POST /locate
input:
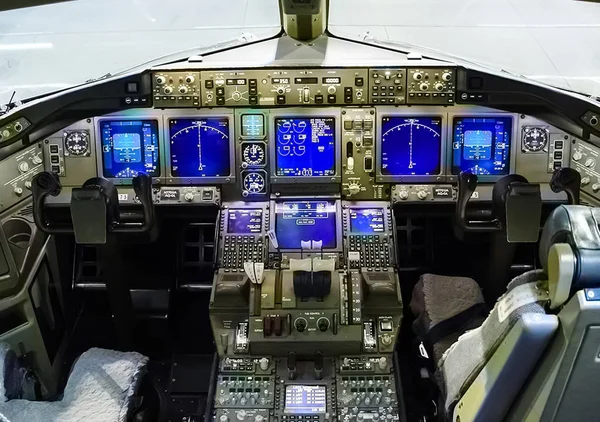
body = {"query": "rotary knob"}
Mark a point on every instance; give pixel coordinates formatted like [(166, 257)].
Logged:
[(161, 80), (189, 196), (264, 364), (189, 79), (422, 194), (168, 90), (439, 86), (353, 189), (223, 418), (28, 184), (382, 363), (241, 415), (280, 90), (259, 418), (424, 86), (595, 187), (36, 160), (236, 96), (585, 181), (417, 76), (18, 127), (403, 195), (577, 155), (386, 340), (18, 190), (446, 76), (23, 166), (590, 162), (183, 89), (331, 89)]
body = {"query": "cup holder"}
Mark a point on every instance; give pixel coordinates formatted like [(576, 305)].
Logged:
[(18, 232)]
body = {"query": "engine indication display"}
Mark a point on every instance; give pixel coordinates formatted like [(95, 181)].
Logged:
[(481, 145), (306, 221), (77, 143), (305, 146), (200, 147), (535, 138), (129, 147), (410, 145), (253, 154)]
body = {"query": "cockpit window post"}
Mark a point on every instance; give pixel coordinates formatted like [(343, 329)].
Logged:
[(304, 20)]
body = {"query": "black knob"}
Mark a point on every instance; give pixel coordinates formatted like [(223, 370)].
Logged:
[(323, 324), (300, 325)]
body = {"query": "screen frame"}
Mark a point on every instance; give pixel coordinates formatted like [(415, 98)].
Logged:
[(514, 142), (297, 113), (304, 384), (384, 211), (338, 229), (127, 181), (423, 112), (195, 114)]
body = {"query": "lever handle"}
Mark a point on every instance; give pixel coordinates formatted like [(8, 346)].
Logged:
[(567, 180), (44, 184), (142, 186), (291, 365), (318, 365)]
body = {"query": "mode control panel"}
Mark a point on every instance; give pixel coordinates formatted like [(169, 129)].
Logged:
[(387, 86), (283, 87), (176, 89), (423, 193), (585, 158), (17, 172), (431, 86)]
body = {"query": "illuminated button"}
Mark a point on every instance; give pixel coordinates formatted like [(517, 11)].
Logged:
[(348, 124), (55, 169), (368, 140), (368, 124), (53, 159), (385, 325), (331, 99), (358, 123), (54, 149), (209, 84), (281, 99), (558, 155), (220, 101), (359, 81), (558, 145), (319, 99)]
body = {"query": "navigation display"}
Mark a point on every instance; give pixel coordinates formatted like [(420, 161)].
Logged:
[(129, 147), (244, 221), (305, 146), (481, 145), (411, 145), (366, 220), (200, 147), (305, 221), (304, 399)]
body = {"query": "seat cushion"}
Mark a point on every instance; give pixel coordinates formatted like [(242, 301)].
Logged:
[(100, 388)]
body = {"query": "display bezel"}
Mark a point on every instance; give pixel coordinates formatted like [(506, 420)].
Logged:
[(338, 229), (305, 114), (410, 178), (180, 114), (288, 411), (514, 142), (127, 181)]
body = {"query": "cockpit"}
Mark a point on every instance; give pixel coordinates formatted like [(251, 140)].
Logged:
[(301, 228)]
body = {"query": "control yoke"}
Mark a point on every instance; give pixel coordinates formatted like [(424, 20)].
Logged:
[(94, 208), (568, 180), (516, 207)]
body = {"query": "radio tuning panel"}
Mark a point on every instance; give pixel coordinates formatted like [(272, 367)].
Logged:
[(176, 89), (358, 155), (585, 158), (283, 87), (431, 86)]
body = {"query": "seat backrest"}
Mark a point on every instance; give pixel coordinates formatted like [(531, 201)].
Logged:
[(485, 369), (565, 384)]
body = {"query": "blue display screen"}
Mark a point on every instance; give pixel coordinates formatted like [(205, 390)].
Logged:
[(244, 221), (366, 220), (305, 221), (129, 147), (481, 145), (200, 147), (305, 147), (411, 145)]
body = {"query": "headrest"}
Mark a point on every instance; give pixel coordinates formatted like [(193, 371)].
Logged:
[(570, 249)]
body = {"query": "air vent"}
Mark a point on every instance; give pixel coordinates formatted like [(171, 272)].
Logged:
[(412, 243), (26, 212), (196, 254)]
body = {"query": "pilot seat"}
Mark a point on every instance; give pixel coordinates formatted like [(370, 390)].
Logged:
[(483, 362)]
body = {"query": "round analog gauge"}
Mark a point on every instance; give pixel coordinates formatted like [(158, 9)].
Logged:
[(77, 143), (535, 138), (254, 154), (254, 183)]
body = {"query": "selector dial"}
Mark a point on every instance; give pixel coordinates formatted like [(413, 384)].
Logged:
[(577, 155), (161, 80), (189, 79), (77, 143), (168, 90), (183, 89), (439, 86), (23, 166), (417, 76), (236, 95), (424, 86), (331, 90), (447, 76), (590, 162)]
